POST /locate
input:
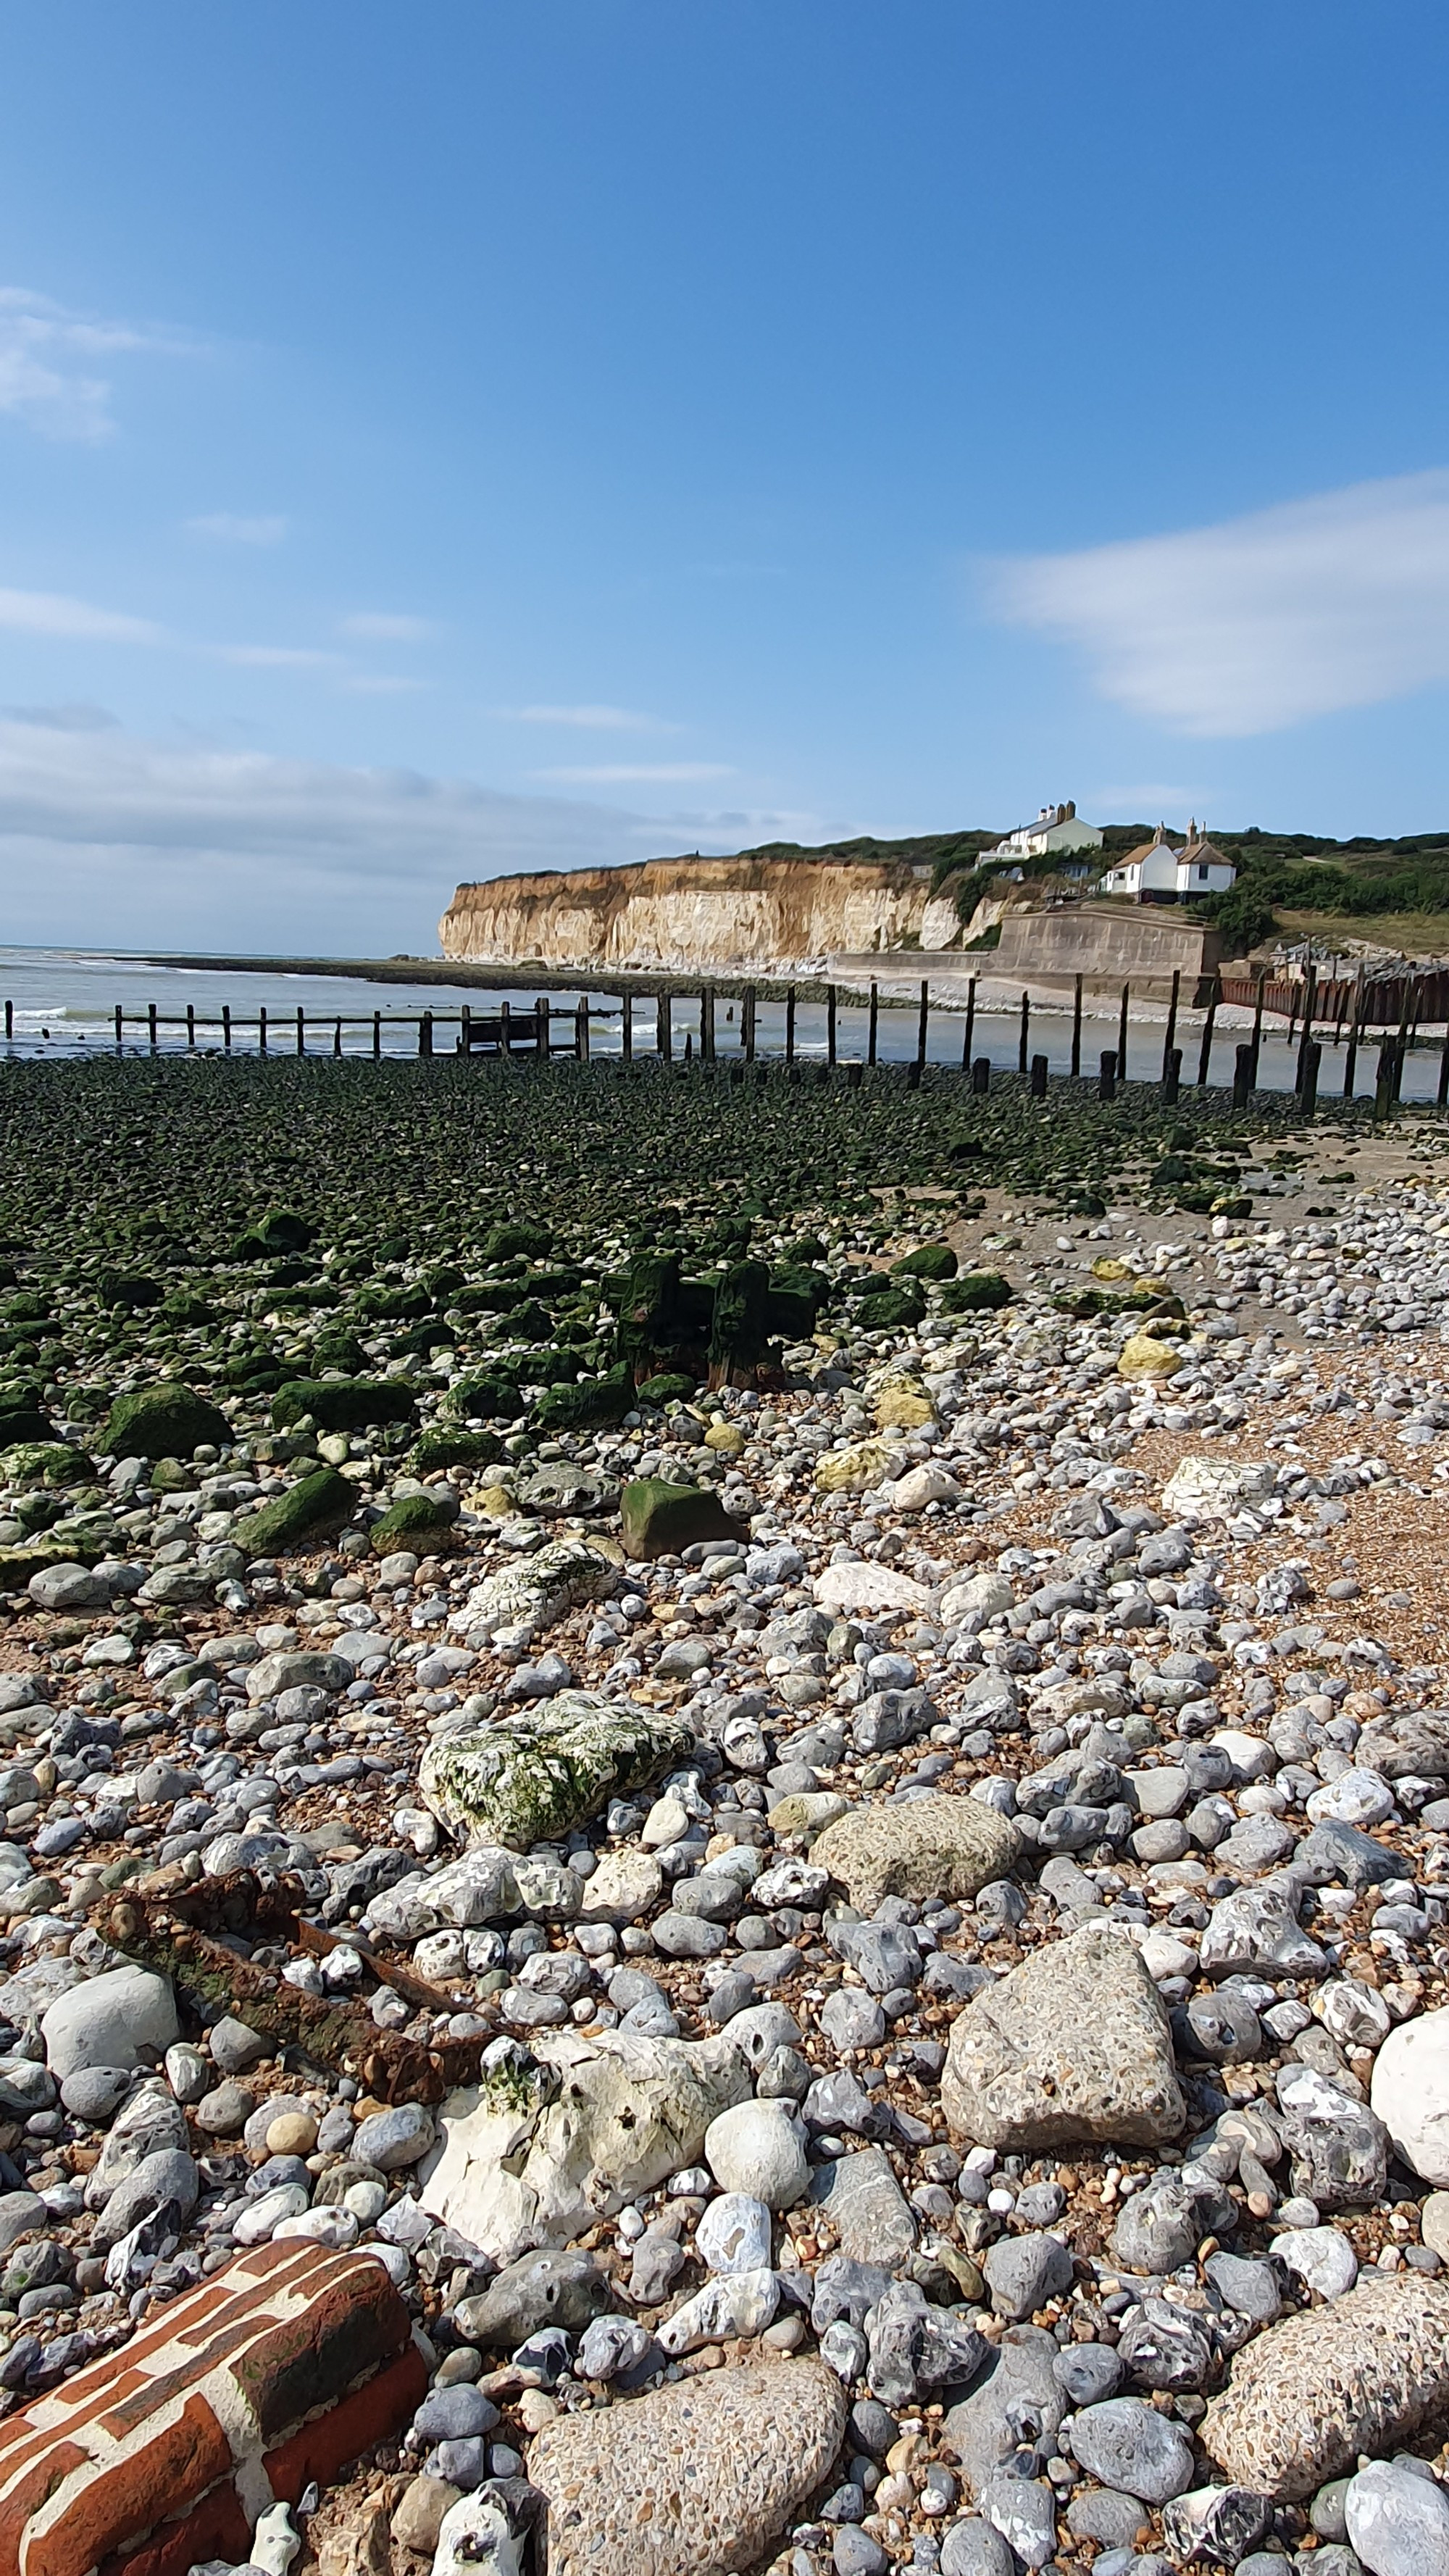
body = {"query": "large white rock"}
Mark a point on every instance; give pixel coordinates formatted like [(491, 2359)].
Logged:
[(919, 1486), (976, 1601), (756, 2148), (870, 1588), (515, 2168), (1210, 1489), (1410, 2093), (114, 2020)]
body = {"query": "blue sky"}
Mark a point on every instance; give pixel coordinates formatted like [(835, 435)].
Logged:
[(442, 440)]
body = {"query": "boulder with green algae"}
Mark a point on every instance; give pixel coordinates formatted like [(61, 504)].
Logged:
[(929, 1261), (310, 1509), (670, 1388), (597, 1402), (44, 1462), (662, 1519), (488, 1397), (891, 1309), (162, 1422), (344, 1404), (977, 1291), (420, 1521), (280, 1230), (531, 1778), (436, 1450)]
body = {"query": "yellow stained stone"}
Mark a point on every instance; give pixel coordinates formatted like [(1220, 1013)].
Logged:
[(495, 1500), (726, 1437), (1145, 1356), (1106, 1268), (903, 1405), (852, 1470)]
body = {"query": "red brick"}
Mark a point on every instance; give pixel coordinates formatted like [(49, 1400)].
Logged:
[(215, 2528), (28, 2486), (312, 2358), (369, 2415), (127, 2496)]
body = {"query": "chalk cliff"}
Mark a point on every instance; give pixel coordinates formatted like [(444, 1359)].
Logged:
[(692, 913)]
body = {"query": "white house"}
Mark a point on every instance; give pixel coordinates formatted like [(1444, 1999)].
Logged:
[(1156, 872), (1057, 831)]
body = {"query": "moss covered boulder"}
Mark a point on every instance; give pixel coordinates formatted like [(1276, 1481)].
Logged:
[(44, 1462), (532, 1778), (421, 1521), (670, 1388), (660, 1519), (280, 1230), (515, 1242), (976, 1293), (931, 1261), (309, 1510), (344, 1404), (891, 1309), (436, 1450), (598, 1402), (161, 1422)]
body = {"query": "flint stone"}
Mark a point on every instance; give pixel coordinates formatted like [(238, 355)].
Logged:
[(564, 2288), (1126, 2444), (297, 1670), (514, 2170), (1074, 2045), (931, 1846), (530, 1778), (1314, 2391), (1411, 1744), (1398, 2521), (1256, 1931), (867, 2208), (693, 2478), (112, 2020), (1023, 2272), (913, 2346), (1340, 2150)]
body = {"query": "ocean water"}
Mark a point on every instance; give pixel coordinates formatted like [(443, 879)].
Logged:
[(62, 1001)]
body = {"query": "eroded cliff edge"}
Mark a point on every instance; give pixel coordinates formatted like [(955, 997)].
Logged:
[(687, 913)]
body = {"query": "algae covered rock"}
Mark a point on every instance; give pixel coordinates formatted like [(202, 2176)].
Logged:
[(930, 1261), (662, 1519), (44, 1462), (438, 1449), (422, 1521), (891, 1309), (314, 1505), (344, 1404), (532, 1777), (161, 1422), (976, 1293), (538, 1589)]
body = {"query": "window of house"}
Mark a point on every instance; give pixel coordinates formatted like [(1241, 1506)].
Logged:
[(1202, 876)]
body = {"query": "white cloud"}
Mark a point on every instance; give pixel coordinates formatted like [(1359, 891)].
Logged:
[(47, 362), (230, 530), (589, 719), (625, 773), (48, 612), (274, 657), (380, 684), (1263, 621), (374, 626)]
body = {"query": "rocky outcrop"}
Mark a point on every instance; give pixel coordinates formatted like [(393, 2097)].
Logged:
[(690, 913)]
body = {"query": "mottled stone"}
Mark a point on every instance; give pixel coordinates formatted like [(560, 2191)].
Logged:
[(1313, 2392), (1073, 2045), (931, 1846), (530, 1778), (691, 2480)]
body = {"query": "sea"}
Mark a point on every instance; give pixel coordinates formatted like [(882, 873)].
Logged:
[(63, 1002)]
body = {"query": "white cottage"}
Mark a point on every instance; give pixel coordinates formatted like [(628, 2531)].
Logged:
[(1157, 872), (1058, 831)]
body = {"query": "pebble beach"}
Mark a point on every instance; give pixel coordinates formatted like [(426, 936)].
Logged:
[(791, 1921)]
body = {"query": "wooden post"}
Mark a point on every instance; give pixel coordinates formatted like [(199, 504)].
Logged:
[(874, 1015), (120, 1024), (789, 1024), (9, 1022), (1120, 1067), (1076, 1027), (190, 1024), (425, 1034), (1039, 1077), (830, 1024), (923, 1024), (706, 1024), (261, 1028), (505, 1026), (1292, 1013), (664, 1026), (1170, 1041), (542, 1030), (1025, 1037), (1310, 996), (1107, 1075), (1205, 1051), (1384, 1082), (1242, 1076), (1340, 1006), (225, 1026), (1402, 1045), (1308, 1064), (377, 1037), (747, 1021), (626, 1028), (1172, 1074), (1257, 1038), (981, 1074), (301, 1032), (582, 1039), (151, 1024), (465, 1033), (337, 1037), (970, 1021)]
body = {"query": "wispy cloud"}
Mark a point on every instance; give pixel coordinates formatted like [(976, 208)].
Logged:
[(1338, 601), (229, 529), (589, 719), (49, 358), (274, 657), (49, 612), (376, 626), (625, 773)]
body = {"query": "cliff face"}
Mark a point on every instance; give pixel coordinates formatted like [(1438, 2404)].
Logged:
[(691, 913)]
